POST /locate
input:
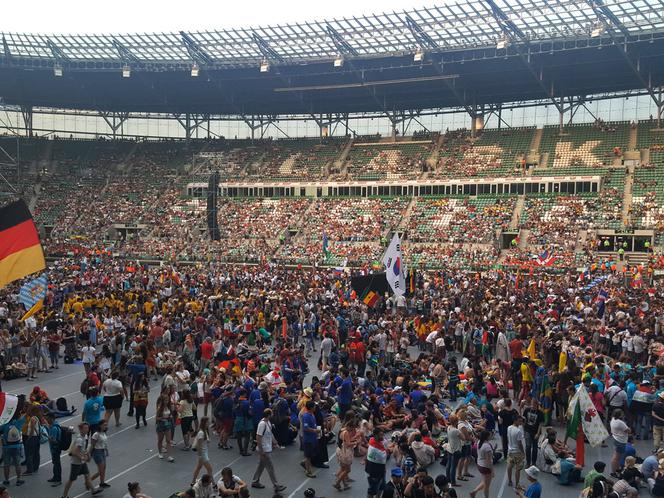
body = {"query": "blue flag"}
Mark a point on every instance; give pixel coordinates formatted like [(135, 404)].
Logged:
[(602, 296), (33, 292)]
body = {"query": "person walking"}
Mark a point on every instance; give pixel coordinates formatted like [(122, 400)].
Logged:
[(516, 452), (484, 464), (164, 418), (12, 448), (264, 445), (201, 444), (93, 409), (140, 399), (79, 454), (114, 393), (453, 449), (620, 432), (348, 439), (99, 452), (309, 437)]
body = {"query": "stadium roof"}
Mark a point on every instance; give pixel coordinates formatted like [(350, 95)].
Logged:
[(480, 51)]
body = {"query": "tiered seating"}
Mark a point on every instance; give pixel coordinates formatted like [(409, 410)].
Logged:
[(507, 148), (648, 193), (258, 218), (297, 160), (459, 220), (584, 144), (648, 135), (387, 161), (436, 256)]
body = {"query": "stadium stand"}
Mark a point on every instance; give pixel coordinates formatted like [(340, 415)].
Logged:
[(378, 161)]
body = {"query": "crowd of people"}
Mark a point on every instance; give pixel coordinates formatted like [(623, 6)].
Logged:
[(465, 371)]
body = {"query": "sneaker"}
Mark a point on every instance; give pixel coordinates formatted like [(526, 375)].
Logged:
[(5, 483), (97, 491), (161, 456), (257, 485), (279, 488), (55, 484), (170, 459), (20, 482), (104, 485)]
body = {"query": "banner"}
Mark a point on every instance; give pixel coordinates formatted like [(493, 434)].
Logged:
[(592, 425), (8, 403)]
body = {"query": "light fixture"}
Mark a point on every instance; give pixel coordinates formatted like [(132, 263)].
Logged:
[(597, 31), (419, 55), (126, 71), (194, 70), (501, 44), (57, 70), (339, 61), (265, 66)]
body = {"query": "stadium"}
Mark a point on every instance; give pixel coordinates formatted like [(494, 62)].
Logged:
[(507, 145)]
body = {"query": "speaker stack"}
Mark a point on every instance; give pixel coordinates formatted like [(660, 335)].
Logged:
[(212, 198)]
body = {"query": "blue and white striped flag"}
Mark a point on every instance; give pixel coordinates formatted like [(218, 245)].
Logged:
[(33, 292)]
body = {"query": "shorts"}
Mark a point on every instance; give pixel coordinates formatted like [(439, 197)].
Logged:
[(80, 469), (185, 424), (465, 451), (310, 450), (619, 447), (516, 460), (11, 456), (376, 485), (112, 402), (484, 470), (164, 425), (227, 425), (203, 456), (99, 456)]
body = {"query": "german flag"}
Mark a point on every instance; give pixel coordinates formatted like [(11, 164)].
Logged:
[(20, 250)]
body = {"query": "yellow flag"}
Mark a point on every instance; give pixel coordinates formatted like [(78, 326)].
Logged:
[(531, 350), (35, 309), (562, 361)]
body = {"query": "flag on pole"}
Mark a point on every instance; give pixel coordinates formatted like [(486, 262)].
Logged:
[(545, 258), (584, 421), (370, 298), (326, 242), (562, 361), (602, 296), (32, 296), (395, 269), (546, 399), (532, 350), (8, 404), (20, 250)]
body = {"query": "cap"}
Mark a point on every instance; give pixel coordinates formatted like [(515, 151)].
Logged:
[(397, 472), (308, 392), (533, 472), (262, 386)]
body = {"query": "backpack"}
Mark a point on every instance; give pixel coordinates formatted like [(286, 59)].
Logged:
[(66, 436), (43, 434), (276, 412), (61, 404), (85, 386), (13, 435)]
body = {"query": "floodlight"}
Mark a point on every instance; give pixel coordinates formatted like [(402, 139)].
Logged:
[(265, 66), (597, 31), (194, 70), (339, 61), (126, 71), (419, 55), (501, 44), (57, 70)]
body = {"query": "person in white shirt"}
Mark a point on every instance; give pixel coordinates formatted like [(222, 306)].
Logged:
[(264, 442), (99, 451), (88, 354), (134, 491), (516, 450), (620, 434), (113, 392)]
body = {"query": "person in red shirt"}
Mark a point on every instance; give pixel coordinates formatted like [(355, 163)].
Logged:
[(516, 348), (157, 334), (207, 350)]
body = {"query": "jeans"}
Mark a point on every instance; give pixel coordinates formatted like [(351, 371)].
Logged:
[(643, 425), (531, 449), (57, 466), (452, 462), (31, 444)]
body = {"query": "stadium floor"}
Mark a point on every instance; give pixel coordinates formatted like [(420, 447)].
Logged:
[(133, 457)]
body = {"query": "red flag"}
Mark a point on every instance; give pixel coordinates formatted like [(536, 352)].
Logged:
[(284, 328)]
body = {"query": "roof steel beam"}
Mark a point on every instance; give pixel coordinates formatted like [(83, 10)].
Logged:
[(125, 55), (606, 16), (509, 28), (58, 54), (5, 47), (265, 49), (342, 45), (195, 51), (421, 36)]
